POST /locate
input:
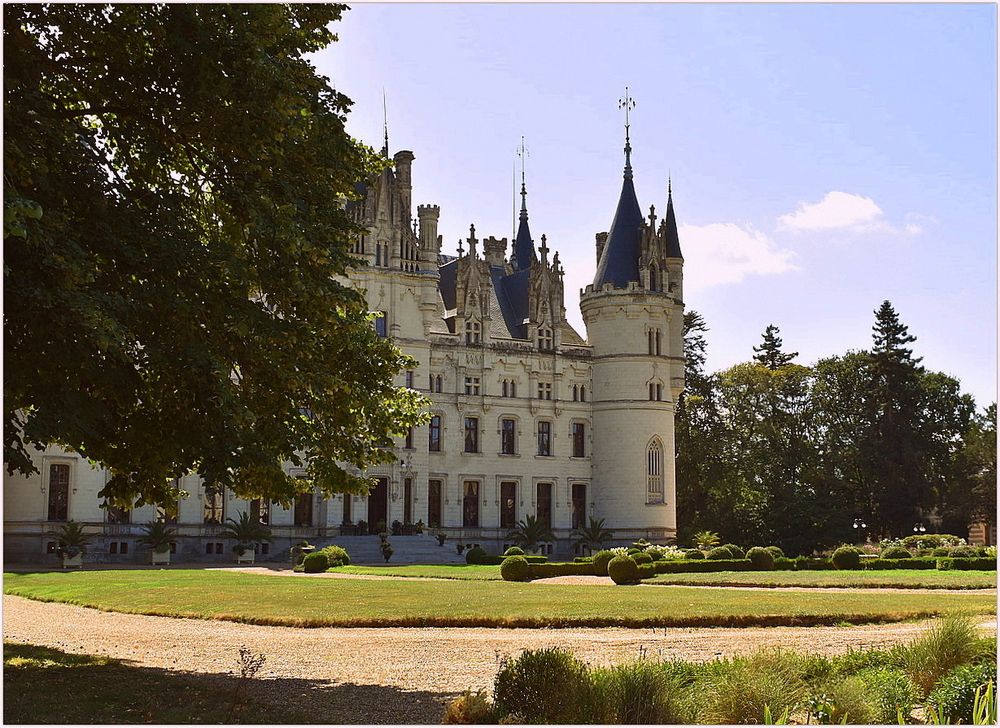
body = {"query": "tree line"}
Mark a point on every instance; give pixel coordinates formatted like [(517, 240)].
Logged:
[(868, 444)]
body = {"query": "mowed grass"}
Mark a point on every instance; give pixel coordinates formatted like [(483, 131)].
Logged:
[(429, 571), (900, 579), (315, 602)]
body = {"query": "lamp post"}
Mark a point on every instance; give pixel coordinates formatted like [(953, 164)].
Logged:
[(919, 527), (405, 468), (860, 526)]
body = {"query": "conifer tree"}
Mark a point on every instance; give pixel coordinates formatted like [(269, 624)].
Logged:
[(769, 353)]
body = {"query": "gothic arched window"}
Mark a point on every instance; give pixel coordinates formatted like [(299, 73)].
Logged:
[(653, 282), (654, 471)]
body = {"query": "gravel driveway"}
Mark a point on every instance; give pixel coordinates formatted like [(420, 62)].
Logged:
[(390, 675)]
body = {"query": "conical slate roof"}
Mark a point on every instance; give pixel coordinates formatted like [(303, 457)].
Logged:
[(673, 242), (619, 262), (524, 249)]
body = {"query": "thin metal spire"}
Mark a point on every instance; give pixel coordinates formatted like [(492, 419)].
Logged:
[(385, 126), (522, 152), (627, 103)]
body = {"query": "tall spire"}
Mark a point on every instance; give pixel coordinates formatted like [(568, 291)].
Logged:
[(670, 222), (627, 103), (385, 127), (524, 248)]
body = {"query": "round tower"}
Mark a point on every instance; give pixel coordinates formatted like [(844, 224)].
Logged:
[(630, 325)]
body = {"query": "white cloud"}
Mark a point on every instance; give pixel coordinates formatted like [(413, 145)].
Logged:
[(725, 252), (846, 212)]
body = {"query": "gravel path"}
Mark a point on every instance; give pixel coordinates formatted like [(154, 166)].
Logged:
[(390, 675)]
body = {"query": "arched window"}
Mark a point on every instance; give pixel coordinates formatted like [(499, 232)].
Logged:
[(576, 393), (583, 393), (654, 471), (503, 388), (652, 278)]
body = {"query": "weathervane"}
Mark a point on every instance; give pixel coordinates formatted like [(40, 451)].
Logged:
[(385, 126), (627, 103), (522, 152)]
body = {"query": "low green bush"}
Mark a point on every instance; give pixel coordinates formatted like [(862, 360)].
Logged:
[(623, 570), (476, 555), (632, 551), (469, 708), (736, 551), (694, 554), (515, 568), (547, 571), (720, 552), (514, 551), (646, 571), (849, 702), (762, 559), (889, 692), (895, 552), (977, 564), (493, 560), (930, 540), (783, 564), (910, 563), (963, 552), (685, 566), (941, 551), (584, 559), (952, 698), (543, 686), (846, 558), (315, 563), (808, 563), (335, 556), (776, 552), (639, 693), (642, 558), (601, 560)]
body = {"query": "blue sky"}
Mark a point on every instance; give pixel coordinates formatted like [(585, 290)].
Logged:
[(824, 157)]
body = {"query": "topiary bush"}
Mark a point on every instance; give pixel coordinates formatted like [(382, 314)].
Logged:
[(642, 558), (315, 563), (846, 557), (515, 568), (762, 559), (646, 571), (953, 696), (962, 552), (941, 551), (601, 560), (736, 551), (694, 554), (514, 551), (476, 555), (623, 570), (720, 552), (543, 686), (895, 552), (335, 556), (775, 551)]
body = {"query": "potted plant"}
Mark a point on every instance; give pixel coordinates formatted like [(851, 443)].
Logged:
[(245, 532), (386, 551), (299, 552), (459, 548), (441, 536), (419, 527), (397, 528), (72, 542), (362, 527), (159, 537), (380, 526)]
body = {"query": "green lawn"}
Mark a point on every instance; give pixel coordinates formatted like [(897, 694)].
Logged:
[(311, 602), (433, 571), (43, 685), (902, 578)]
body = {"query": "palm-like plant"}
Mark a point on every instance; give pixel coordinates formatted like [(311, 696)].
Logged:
[(530, 532), (72, 539), (705, 540), (593, 535), (158, 536), (245, 532)]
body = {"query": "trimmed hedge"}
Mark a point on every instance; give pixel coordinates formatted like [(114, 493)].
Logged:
[(908, 563), (979, 564), (514, 551), (963, 552), (315, 563), (776, 551), (647, 571), (895, 552), (695, 566), (583, 560), (720, 553), (491, 560), (694, 554), (547, 571), (784, 564), (515, 568), (736, 551), (623, 570), (476, 555), (601, 560), (846, 558), (761, 559), (642, 558)]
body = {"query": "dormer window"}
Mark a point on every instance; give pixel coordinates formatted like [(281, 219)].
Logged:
[(545, 339), (473, 332)]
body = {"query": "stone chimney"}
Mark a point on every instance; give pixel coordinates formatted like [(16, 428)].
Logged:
[(496, 251)]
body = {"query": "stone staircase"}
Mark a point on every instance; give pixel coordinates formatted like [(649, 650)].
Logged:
[(422, 549)]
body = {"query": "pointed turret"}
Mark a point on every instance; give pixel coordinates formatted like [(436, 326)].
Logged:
[(673, 241), (524, 248), (619, 262)]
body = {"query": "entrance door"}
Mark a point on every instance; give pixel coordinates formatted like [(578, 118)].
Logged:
[(508, 504), (378, 505)]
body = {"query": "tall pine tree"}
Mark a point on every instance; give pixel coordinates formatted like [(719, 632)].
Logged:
[(769, 353)]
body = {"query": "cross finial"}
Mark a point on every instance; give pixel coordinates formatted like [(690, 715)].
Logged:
[(522, 152), (670, 190), (627, 103), (385, 126)]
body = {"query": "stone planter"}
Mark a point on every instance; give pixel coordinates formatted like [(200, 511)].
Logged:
[(161, 558), (246, 557), (73, 561)]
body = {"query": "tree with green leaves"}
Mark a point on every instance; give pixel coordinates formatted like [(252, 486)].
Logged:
[(175, 237), (529, 532), (769, 353), (593, 535)]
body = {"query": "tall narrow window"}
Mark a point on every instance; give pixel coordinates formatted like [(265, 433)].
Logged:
[(347, 509), (544, 438), (472, 385), (434, 503), (260, 511), (544, 390), (471, 434), (408, 442), (579, 505), (304, 509), (576, 393), (658, 337), (653, 279), (213, 504), (408, 500), (380, 327), (437, 381), (579, 432), (513, 388), (652, 345), (58, 492), (654, 472), (652, 391), (508, 504), (508, 442), (659, 392), (503, 388), (544, 504), (434, 442), (409, 379), (470, 504), (583, 393)]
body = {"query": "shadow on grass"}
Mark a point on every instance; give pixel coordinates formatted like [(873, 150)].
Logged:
[(43, 685)]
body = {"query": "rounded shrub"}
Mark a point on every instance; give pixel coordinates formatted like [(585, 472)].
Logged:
[(515, 568), (735, 550), (694, 554), (543, 686), (633, 551), (962, 552), (954, 695), (894, 552), (941, 551), (514, 551), (623, 570), (642, 558), (475, 555), (335, 556), (720, 553), (846, 557), (601, 560), (315, 563), (775, 551), (761, 558)]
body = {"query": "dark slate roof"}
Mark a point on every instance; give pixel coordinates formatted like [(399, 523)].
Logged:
[(673, 242), (619, 262), (514, 302), (446, 284), (524, 249)]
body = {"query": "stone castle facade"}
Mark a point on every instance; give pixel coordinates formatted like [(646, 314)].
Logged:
[(528, 416)]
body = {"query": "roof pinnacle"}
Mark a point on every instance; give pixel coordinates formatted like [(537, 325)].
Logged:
[(627, 103), (385, 127)]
